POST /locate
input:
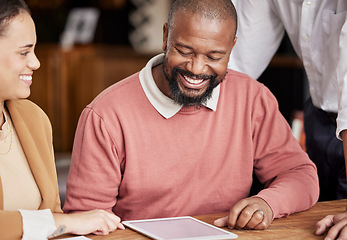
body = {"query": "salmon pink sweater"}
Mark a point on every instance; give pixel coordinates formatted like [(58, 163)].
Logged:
[(129, 159)]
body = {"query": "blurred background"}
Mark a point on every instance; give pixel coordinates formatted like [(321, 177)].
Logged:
[(84, 46), (123, 36)]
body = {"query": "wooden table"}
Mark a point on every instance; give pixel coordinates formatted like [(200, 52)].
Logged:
[(296, 226)]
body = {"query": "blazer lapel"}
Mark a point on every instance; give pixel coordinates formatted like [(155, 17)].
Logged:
[(34, 142)]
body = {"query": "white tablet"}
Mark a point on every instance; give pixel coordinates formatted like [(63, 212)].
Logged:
[(178, 228)]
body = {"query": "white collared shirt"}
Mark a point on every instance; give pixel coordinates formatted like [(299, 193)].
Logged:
[(163, 104), (318, 32)]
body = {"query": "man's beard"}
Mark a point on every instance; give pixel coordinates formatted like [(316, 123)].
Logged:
[(179, 97)]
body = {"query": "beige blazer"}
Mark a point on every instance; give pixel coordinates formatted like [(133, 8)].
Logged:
[(35, 135)]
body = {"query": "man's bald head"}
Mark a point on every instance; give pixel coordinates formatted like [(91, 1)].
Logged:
[(210, 9)]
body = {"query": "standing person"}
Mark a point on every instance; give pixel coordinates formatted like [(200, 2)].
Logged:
[(317, 30), (28, 188), (184, 135)]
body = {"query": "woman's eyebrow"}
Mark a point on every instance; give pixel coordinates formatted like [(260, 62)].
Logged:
[(27, 46)]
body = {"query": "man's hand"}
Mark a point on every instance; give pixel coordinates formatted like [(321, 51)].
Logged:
[(337, 224), (249, 213)]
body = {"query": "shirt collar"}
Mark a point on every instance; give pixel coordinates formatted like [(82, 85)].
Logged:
[(163, 104)]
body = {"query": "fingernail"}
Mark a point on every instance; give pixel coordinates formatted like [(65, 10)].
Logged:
[(121, 226)]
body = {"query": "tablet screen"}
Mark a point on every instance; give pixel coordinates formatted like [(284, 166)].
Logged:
[(178, 228)]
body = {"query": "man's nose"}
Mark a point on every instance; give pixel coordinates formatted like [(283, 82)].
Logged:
[(196, 65)]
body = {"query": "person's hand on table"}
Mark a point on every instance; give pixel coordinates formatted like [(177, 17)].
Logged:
[(336, 225), (248, 213), (98, 222)]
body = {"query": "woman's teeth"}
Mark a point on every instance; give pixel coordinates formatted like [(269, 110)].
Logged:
[(25, 78), (193, 81)]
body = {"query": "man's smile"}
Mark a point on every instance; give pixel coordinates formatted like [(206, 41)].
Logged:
[(193, 83)]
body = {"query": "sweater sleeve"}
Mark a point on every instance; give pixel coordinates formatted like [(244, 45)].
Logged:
[(95, 174), (290, 177)]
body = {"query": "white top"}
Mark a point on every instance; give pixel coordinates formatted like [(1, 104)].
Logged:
[(318, 32), (18, 184), (163, 104)]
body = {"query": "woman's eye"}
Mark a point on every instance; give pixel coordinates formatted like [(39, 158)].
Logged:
[(24, 53)]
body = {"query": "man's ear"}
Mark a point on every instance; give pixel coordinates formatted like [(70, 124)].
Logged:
[(165, 36), (235, 39)]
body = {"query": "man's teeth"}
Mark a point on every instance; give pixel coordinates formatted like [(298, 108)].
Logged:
[(194, 81), (25, 78)]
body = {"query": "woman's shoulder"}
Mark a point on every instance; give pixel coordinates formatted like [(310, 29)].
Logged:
[(26, 109), (23, 105)]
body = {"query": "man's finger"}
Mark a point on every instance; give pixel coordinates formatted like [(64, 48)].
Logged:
[(324, 224), (221, 222), (257, 218)]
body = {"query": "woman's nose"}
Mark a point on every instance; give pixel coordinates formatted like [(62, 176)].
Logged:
[(34, 62)]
